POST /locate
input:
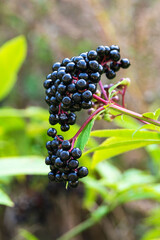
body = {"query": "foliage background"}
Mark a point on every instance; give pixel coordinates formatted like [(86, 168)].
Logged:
[(54, 30)]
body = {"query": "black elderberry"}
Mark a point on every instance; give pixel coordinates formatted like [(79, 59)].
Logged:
[(53, 100), (107, 50), (66, 145), (54, 144), (65, 127), (71, 88), (77, 59), (58, 96), (54, 76), (76, 153), (65, 61), (47, 99), (83, 75), (101, 50), (56, 83), (60, 74), (53, 158), (53, 119), (73, 164), (84, 55), (59, 163), (115, 47), (61, 68), (56, 66), (82, 172), (76, 107), (86, 105), (81, 84), (71, 119), (82, 65), (125, 63), (53, 90), (53, 109), (52, 132), (61, 88), (48, 145), (58, 152), (66, 101), (92, 87), (64, 155), (65, 176), (67, 78), (51, 176), (92, 55), (47, 83), (73, 184), (95, 77), (48, 76), (115, 66), (100, 69), (87, 95), (77, 97), (49, 92), (60, 137), (93, 65), (63, 118), (72, 176), (65, 107), (58, 177), (114, 55), (110, 74), (47, 160), (70, 67)]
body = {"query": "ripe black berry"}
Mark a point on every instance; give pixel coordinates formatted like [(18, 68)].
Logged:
[(47, 83), (64, 155), (125, 63), (56, 66), (67, 78), (65, 127), (93, 65), (70, 67), (52, 132), (114, 55), (110, 74), (59, 163), (65, 61), (95, 77), (82, 65), (76, 153), (51, 176), (81, 84), (47, 161), (87, 95), (73, 184), (72, 176), (66, 145), (53, 119), (82, 172), (92, 55), (77, 97), (73, 164), (66, 101), (101, 50)]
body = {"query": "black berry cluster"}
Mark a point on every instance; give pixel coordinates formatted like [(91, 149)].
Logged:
[(70, 88), (63, 160)]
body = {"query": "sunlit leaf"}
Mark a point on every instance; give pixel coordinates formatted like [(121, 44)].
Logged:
[(12, 55), (5, 200)]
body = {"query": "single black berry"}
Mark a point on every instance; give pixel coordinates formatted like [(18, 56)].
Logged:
[(51, 176), (66, 145), (81, 84), (76, 153), (64, 155), (110, 74), (82, 172), (87, 95), (47, 83), (114, 55), (73, 164), (72, 176), (53, 119), (125, 63), (52, 132)]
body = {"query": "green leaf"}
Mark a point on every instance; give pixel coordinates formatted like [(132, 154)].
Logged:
[(12, 55), (13, 166), (153, 234), (117, 145), (152, 115), (5, 200), (84, 136), (27, 235)]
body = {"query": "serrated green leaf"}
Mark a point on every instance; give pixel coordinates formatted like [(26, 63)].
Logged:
[(12, 166), (84, 136), (5, 200), (12, 55)]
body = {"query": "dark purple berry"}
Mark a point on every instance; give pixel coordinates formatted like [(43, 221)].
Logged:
[(52, 132), (82, 172), (76, 153)]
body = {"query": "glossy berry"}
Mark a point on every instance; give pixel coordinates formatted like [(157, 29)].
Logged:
[(59, 163), (48, 145), (81, 84), (56, 66), (93, 65), (92, 87), (66, 100), (125, 63), (77, 97), (72, 177), (82, 172), (110, 74), (101, 50), (82, 65), (95, 77), (64, 155), (73, 164), (92, 55), (115, 66), (70, 67), (83, 75), (115, 47), (47, 83), (53, 119), (114, 55), (86, 105), (66, 145), (54, 144), (76, 153), (51, 176), (87, 95), (67, 79), (73, 184), (71, 88), (47, 161), (65, 127), (61, 88), (52, 132), (65, 61)]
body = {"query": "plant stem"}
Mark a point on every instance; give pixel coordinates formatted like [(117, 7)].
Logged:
[(125, 111), (84, 124), (103, 91)]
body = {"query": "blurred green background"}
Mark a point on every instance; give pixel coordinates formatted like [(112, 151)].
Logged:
[(54, 30)]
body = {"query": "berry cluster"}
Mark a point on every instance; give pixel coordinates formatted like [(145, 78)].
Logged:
[(69, 88), (63, 160)]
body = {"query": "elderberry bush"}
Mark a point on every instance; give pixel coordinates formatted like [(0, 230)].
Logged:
[(70, 88)]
